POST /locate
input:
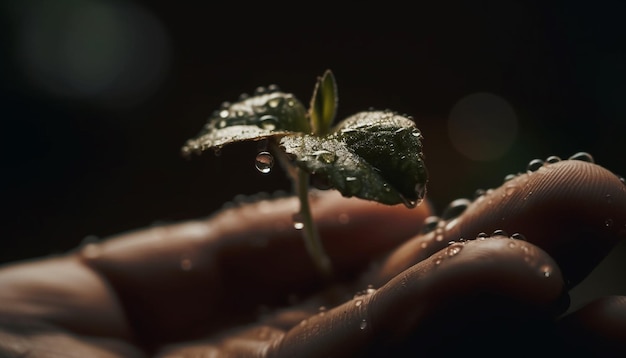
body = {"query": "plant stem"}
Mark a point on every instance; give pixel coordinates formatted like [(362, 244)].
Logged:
[(300, 181)]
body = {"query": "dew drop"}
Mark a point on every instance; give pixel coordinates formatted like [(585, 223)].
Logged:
[(325, 156), (438, 260), (583, 156), (509, 177), (363, 324), (512, 244), (221, 124), (274, 102), (268, 122), (264, 162), (358, 303), (534, 165), (224, 113), (479, 193), (455, 208), (553, 159), (482, 236)]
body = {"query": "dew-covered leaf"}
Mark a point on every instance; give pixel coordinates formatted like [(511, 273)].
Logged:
[(323, 105), (269, 113), (373, 155)]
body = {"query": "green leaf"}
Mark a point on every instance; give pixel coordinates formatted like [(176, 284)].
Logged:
[(373, 155), (323, 107), (270, 113)]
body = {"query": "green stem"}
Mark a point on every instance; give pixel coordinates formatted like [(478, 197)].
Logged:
[(300, 181)]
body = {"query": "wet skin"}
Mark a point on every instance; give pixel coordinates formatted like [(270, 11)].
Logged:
[(240, 283)]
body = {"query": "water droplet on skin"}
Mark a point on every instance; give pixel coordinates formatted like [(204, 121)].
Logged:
[(264, 162), (534, 165), (223, 114), (546, 271), (479, 193), (510, 189), (424, 245), (363, 324), (512, 244), (553, 159), (429, 224), (509, 177), (186, 264), (500, 233), (518, 236), (358, 303), (438, 260), (455, 208), (454, 249), (583, 156), (482, 236)]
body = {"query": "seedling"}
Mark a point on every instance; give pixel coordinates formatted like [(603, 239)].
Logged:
[(373, 155)]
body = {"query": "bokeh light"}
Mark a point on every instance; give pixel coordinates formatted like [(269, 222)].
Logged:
[(482, 126), (114, 53)]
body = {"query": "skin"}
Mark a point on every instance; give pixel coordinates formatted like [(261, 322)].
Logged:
[(240, 283)]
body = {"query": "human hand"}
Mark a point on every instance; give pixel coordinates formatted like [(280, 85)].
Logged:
[(240, 283)]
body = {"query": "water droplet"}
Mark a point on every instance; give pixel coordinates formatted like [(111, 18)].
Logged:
[(454, 249), (274, 102), (358, 303), (325, 156), (260, 90), (553, 159), (186, 264), (482, 236), (455, 208), (268, 122), (224, 113), (500, 233), (518, 236), (583, 156), (512, 244), (509, 177), (546, 270), (298, 222), (363, 324), (264, 162), (438, 261), (608, 222), (424, 245), (534, 165), (479, 193), (221, 124), (510, 189), (429, 224)]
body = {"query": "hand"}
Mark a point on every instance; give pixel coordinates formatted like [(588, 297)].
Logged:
[(240, 283)]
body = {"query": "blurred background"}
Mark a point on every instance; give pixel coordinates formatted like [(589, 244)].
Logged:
[(98, 96)]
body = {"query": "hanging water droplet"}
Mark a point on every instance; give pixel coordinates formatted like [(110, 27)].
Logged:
[(534, 165), (429, 224), (454, 249), (583, 156), (499, 233), (553, 159), (363, 324), (518, 236), (264, 162), (455, 208)]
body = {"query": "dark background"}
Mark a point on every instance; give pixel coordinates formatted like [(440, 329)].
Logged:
[(97, 98)]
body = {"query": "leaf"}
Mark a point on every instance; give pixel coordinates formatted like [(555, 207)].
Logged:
[(323, 106), (373, 155), (270, 113)]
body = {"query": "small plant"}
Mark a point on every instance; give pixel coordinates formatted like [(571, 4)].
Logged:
[(372, 155)]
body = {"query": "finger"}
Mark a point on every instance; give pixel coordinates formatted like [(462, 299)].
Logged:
[(482, 281), (574, 210), (204, 274), (598, 328)]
